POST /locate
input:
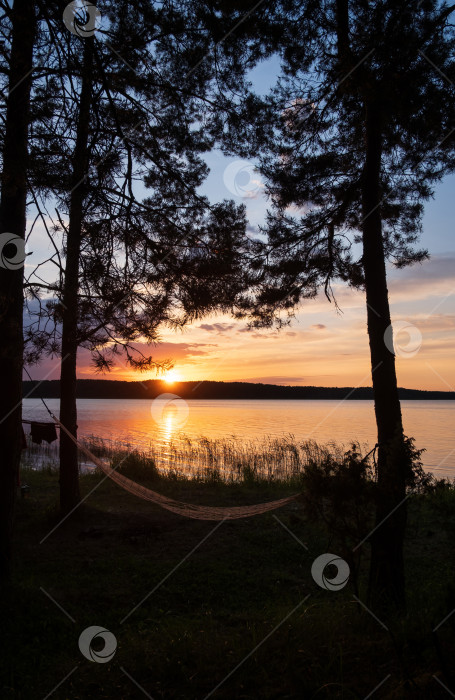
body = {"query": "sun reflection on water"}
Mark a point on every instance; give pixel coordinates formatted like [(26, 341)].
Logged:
[(168, 425)]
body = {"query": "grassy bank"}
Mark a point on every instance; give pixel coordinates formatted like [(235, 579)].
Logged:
[(231, 607), (228, 459)]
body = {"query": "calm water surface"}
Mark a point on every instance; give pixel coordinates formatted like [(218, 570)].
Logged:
[(133, 422)]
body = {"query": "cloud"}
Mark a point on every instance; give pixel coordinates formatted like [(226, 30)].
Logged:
[(188, 353), (255, 334), (433, 323), (427, 282), (319, 326), (433, 277), (217, 327)]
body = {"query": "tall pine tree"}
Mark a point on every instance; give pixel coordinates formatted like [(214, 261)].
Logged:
[(13, 196), (355, 136), (130, 266)]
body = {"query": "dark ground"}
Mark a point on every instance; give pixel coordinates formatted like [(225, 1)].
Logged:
[(217, 621)]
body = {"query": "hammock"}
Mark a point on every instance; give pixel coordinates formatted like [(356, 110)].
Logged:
[(189, 510)]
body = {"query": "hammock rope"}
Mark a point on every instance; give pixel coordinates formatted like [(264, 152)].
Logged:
[(188, 510)]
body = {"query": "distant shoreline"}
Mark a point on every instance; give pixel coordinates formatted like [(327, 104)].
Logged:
[(150, 389)]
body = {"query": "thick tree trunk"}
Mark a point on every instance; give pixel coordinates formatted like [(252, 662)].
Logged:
[(69, 472), (13, 220), (387, 569)]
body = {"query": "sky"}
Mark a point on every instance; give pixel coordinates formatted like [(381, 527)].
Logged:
[(323, 346)]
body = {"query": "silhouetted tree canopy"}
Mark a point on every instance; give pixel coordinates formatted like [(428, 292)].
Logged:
[(350, 143)]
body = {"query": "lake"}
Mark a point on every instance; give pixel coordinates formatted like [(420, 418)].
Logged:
[(141, 423)]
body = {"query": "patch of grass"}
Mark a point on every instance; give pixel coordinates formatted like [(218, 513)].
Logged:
[(135, 465), (221, 459), (196, 607)]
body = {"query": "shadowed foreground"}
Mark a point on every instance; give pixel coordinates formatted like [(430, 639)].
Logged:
[(219, 604)]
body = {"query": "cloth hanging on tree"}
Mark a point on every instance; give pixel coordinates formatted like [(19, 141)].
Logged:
[(43, 431)]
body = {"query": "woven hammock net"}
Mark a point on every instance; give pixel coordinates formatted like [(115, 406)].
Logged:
[(189, 510)]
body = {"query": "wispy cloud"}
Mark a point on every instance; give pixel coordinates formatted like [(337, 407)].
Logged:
[(217, 327)]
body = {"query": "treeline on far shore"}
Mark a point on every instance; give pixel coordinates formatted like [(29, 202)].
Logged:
[(150, 389)]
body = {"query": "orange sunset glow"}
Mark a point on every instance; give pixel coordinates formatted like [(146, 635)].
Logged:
[(321, 346), (172, 376)]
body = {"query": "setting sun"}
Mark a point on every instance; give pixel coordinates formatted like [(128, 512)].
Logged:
[(172, 376)]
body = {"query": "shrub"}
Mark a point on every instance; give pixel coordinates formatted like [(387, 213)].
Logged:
[(341, 491), (136, 465)]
